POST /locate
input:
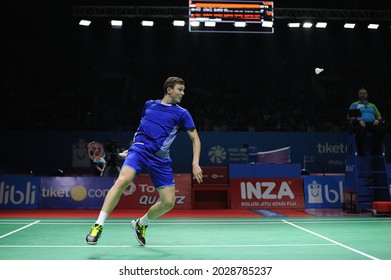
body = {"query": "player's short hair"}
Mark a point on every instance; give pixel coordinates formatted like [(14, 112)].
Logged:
[(171, 82)]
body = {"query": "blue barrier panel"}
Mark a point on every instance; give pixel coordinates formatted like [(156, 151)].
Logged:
[(19, 192), (323, 191), (74, 192), (264, 170), (388, 169), (328, 150)]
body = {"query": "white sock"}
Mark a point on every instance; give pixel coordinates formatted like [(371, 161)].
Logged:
[(102, 218), (144, 220)]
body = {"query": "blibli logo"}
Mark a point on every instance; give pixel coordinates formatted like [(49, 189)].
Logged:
[(10, 195), (316, 192)]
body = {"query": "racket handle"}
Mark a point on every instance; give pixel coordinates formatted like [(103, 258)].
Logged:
[(122, 155)]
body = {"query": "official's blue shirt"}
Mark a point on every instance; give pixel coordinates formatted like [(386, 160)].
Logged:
[(159, 126), (369, 111)]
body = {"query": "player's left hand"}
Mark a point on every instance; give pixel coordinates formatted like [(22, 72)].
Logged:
[(197, 173), (123, 154)]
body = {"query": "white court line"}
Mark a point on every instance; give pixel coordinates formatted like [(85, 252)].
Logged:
[(203, 222), (158, 223), (210, 220), (167, 246), (19, 229), (332, 241)]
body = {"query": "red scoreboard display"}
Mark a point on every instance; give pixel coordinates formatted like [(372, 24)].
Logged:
[(231, 16)]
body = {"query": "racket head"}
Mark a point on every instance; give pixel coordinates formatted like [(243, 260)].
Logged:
[(95, 150)]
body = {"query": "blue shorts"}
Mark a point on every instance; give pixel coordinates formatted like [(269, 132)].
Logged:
[(159, 169)]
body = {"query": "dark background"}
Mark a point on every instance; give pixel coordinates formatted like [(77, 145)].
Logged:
[(58, 76)]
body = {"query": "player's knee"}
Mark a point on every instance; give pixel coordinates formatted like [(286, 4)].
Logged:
[(120, 186), (168, 205)]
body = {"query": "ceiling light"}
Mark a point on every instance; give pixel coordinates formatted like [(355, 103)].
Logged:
[(267, 24), (294, 24), (178, 23), (349, 25), (373, 26), (210, 23), (147, 23), (240, 24), (194, 23), (116, 23), (84, 22), (321, 25)]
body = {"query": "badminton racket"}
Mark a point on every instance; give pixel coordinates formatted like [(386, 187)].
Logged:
[(96, 151)]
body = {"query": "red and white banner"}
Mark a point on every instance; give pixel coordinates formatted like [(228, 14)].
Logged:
[(141, 194), (263, 193)]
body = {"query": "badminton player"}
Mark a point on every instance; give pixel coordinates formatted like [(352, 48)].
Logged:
[(149, 152)]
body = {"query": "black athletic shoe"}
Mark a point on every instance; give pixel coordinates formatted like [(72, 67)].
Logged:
[(140, 231), (93, 236)]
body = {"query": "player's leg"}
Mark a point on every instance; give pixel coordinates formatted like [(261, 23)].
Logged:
[(160, 172), (165, 204), (125, 177)]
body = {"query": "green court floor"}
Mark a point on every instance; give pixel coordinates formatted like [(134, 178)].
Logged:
[(324, 238)]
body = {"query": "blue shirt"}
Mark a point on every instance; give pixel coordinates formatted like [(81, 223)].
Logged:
[(369, 111), (159, 126)]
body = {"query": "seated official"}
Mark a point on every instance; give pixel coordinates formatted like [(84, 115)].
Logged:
[(367, 119)]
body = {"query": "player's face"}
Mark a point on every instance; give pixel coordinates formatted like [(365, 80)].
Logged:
[(176, 93)]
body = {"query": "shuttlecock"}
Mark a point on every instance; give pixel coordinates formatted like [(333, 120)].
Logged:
[(318, 70)]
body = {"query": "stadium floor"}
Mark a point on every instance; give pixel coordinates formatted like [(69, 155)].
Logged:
[(231, 244), (219, 234)]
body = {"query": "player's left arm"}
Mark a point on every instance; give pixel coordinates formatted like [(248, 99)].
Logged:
[(197, 171)]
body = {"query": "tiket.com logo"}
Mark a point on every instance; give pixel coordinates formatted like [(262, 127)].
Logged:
[(76, 193), (10, 195), (327, 148)]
